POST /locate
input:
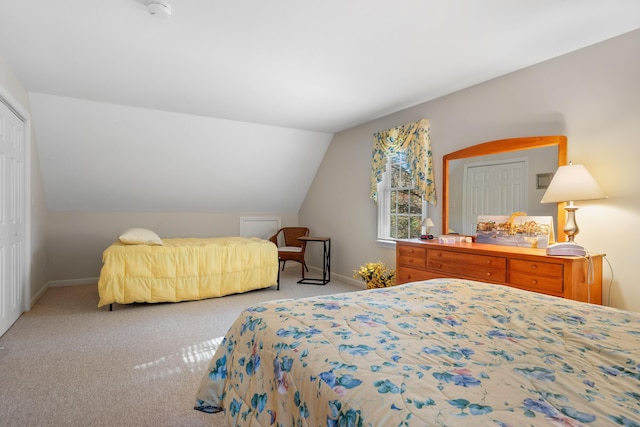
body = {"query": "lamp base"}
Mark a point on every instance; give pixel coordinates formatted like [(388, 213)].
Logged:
[(566, 249), (571, 227)]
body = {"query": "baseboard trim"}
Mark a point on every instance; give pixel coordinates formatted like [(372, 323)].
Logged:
[(36, 297), (61, 283), (351, 280), (72, 282), (94, 280)]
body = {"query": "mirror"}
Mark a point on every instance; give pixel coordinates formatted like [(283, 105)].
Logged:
[(530, 151)]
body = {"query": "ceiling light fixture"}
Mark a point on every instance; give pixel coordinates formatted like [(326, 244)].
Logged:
[(159, 8)]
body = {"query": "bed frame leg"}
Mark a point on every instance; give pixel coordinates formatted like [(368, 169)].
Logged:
[(278, 288), (110, 307)]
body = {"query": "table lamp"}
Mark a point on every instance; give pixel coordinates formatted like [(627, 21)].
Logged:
[(571, 183), (427, 223)]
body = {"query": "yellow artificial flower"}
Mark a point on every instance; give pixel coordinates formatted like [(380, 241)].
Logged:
[(376, 275)]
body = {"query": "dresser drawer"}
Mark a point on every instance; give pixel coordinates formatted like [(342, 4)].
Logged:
[(524, 268), (410, 256), (456, 264), (537, 276), (406, 275)]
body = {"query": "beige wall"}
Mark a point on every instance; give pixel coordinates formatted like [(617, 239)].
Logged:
[(591, 96), (76, 240), (11, 86)]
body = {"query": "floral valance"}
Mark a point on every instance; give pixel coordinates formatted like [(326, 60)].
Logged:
[(414, 139)]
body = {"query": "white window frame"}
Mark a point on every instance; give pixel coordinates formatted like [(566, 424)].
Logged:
[(384, 208)]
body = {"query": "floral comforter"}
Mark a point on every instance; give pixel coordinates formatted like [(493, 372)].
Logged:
[(442, 352)]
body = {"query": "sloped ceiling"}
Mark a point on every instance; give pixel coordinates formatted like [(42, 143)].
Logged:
[(106, 157), (119, 92)]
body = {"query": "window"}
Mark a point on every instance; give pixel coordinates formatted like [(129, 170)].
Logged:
[(400, 205), (401, 177)]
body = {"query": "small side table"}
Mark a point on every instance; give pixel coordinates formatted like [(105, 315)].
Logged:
[(326, 261)]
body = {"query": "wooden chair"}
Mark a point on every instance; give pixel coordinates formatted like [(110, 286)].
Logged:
[(289, 247)]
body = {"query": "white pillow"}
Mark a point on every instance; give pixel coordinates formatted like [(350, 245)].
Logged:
[(140, 236)]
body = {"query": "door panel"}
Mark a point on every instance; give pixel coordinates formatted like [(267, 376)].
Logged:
[(493, 189), (12, 221)]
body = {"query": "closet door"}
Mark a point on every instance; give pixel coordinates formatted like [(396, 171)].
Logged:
[(12, 216), (499, 188)]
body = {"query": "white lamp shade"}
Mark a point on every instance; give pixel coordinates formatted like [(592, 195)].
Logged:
[(427, 222), (571, 183)]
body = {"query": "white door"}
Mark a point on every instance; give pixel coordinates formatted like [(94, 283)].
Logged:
[(12, 216), (493, 189)]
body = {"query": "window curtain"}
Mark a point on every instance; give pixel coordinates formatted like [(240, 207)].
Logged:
[(415, 140)]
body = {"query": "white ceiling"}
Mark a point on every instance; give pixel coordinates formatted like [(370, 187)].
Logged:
[(135, 113), (311, 65)]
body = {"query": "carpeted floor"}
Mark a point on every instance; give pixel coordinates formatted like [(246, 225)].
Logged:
[(68, 363)]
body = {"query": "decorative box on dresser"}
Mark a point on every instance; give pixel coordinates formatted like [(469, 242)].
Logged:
[(524, 268)]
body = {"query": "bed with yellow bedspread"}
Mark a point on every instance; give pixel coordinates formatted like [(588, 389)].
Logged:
[(186, 269)]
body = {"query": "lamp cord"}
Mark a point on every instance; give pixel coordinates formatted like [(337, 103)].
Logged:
[(591, 277), (590, 274), (610, 281)]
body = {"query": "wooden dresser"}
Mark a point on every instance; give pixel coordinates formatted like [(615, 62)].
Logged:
[(523, 268)]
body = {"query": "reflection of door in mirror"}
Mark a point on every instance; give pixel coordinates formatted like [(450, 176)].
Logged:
[(504, 184), (495, 188), (541, 155)]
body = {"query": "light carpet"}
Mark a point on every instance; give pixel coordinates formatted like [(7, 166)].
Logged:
[(68, 363)]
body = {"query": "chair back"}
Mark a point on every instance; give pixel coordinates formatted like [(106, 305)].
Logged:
[(291, 235), (288, 236)]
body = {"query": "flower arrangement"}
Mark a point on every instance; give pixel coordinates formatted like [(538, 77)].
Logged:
[(376, 275)]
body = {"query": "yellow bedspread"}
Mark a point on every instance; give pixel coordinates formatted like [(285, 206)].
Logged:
[(186, 269)]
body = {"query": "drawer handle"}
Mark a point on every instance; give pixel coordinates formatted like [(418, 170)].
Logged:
[(438, 265), (488, 262), (488, 274), (534, 282), (534, 267)]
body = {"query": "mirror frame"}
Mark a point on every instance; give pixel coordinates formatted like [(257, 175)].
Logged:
[(504, 146)]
